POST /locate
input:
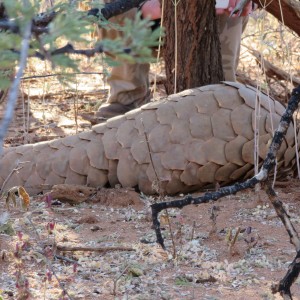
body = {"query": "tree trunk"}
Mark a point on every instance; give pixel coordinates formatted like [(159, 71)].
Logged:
[(197, 57)]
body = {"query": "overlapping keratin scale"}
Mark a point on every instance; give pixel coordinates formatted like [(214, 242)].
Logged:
[(196, 138)]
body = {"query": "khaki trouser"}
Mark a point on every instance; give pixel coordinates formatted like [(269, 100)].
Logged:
[(129, 83), (231, 30)]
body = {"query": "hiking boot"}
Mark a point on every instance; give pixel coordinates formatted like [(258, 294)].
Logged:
[(106, 111), (110, 110)]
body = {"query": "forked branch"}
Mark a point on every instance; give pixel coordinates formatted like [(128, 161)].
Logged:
[(294, 269), (267, 166)]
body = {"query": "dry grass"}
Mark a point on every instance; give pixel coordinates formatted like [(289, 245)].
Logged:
[(278, 45)]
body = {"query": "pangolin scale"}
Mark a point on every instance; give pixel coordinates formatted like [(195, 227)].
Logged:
[(196, 138)]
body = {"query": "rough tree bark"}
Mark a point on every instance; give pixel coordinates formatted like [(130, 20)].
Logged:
[(290, 12), (198, 55)]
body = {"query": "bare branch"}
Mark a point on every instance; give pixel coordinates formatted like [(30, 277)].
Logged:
[(40, 23), (284, 286), (284, 217), (60, 74), (69, 49), (267, 166)]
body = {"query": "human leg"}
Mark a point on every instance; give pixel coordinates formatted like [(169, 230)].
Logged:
[(231, 30), (129, 83)]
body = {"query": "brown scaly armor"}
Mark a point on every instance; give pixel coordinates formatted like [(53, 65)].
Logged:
[(196, 138)]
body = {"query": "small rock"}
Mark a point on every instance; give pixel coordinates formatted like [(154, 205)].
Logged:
[(145, 241), (9, 293), (95, 228), (95, 291), (88, 219), (135, 271), (56, 203), (165, 296)]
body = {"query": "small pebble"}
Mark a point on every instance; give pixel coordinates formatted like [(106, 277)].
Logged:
[(95, 228)]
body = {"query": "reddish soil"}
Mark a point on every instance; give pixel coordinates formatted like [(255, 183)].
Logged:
[(204, 267)]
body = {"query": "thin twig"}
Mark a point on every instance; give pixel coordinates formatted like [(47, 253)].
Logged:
[(75, 105), (175, 3), (17, 168), (61, 74), (159, 45), (171, 234), (152, 161), (233, 240), (213, 218), (116, 280), (193, 230)]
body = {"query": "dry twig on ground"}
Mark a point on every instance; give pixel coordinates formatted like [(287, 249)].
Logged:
[(61, 247)]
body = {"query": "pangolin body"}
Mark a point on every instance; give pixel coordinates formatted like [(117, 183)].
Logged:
[(185, 142)]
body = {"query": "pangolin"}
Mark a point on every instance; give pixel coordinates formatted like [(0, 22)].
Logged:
[(184, 142)]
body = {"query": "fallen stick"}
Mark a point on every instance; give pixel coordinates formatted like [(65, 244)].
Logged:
[(272, 71), (94, 249), (72, 261)]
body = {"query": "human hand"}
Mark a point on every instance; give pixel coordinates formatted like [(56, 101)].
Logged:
[(235, 3), (151, 9)]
